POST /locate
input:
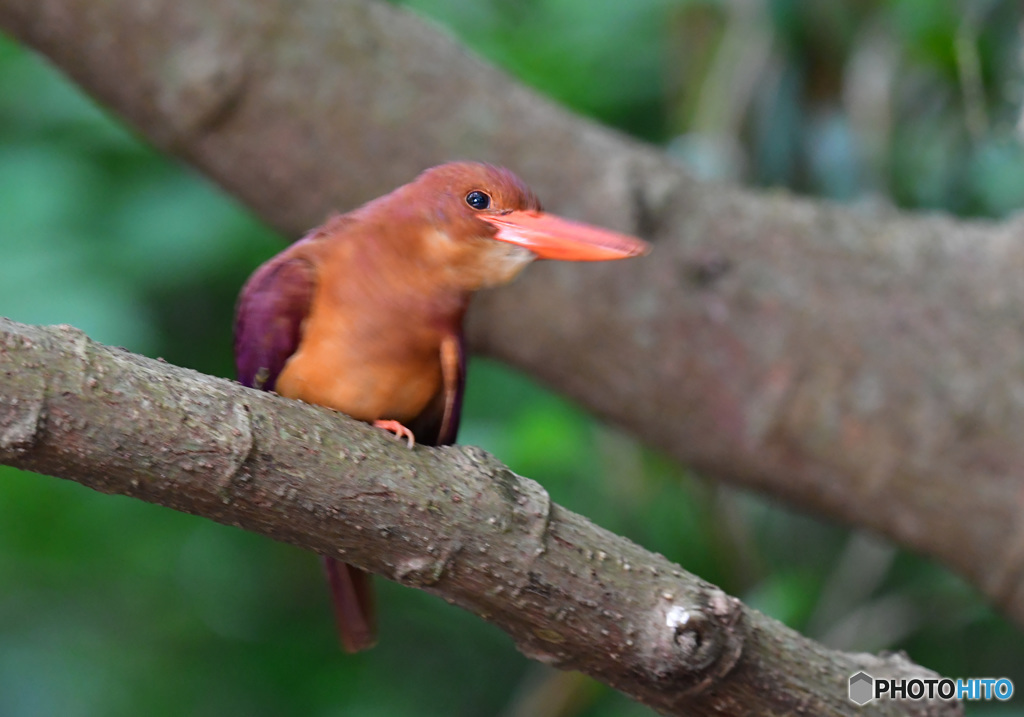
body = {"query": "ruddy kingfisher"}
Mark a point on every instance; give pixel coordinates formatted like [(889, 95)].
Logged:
[(364, 314)]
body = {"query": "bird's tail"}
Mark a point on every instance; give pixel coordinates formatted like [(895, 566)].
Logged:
[(354, 610)]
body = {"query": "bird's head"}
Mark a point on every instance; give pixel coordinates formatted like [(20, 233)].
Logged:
[(484, 225)]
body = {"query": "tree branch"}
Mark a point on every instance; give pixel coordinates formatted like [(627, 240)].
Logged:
[(861, 365), (451, 521)]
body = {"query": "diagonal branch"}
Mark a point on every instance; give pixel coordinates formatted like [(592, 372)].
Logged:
[(861, 365), (452, 521)]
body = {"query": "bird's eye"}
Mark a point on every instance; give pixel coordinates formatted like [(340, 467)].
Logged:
[(478, 200)]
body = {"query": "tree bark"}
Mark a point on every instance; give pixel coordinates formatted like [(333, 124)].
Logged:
[(452, 521), (864, 366)]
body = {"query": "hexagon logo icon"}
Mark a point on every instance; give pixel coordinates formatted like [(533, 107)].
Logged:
[(862, 688)]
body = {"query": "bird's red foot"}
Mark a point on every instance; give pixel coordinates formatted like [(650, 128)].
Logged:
[(398, 429)]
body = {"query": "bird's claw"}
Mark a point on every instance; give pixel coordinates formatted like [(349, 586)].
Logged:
[(398, 429)]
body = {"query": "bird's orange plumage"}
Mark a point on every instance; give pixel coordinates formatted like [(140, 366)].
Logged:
[(364, 315)]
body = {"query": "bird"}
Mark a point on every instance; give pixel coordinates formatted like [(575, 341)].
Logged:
[(364, 314)]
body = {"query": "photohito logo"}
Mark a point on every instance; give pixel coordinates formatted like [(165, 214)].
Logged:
[(861, 689), (864, 688)]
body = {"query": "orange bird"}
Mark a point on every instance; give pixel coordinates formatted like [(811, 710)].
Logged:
[(364, 314)]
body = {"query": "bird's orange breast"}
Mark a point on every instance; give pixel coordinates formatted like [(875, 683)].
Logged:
[(363, 357), (368, 390)]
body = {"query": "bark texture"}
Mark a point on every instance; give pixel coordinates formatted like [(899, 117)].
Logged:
[(865, 366), (452, 521)]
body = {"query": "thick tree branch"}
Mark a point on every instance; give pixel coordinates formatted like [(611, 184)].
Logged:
[(452, 521), (863, 366)]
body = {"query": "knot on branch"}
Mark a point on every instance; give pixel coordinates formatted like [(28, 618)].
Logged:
[(695, 643), (653, 185), (205, 81), (526, 506), (21, 409)]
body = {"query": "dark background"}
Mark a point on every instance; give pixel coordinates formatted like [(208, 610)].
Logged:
[(110, 606)]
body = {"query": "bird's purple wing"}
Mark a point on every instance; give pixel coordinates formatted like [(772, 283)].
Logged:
[(271, 309), (438, 424), (454, 389), (268, 328)]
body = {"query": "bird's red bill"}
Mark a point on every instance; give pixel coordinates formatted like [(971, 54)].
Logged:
[(552, 237)]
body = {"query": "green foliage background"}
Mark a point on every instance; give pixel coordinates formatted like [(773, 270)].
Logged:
[(109, 606)]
